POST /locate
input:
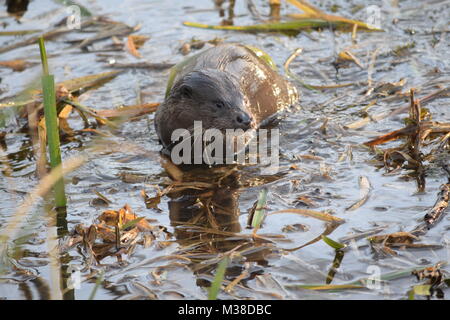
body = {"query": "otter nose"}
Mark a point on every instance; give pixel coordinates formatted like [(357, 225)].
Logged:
[(244, 119)]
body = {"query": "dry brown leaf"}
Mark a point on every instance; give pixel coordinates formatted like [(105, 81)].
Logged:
[(348, 56), (396, 237), (313, 214), (122, 217), (65, 112), (129, 111), (134, 42), (15, 65)]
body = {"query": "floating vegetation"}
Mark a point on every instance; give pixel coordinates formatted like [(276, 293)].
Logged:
[(64, 88), (196, 44), (332, 243), (416, 132), (16, 65), (313, 214), (258, 214), (365, 188), (436, 280), (313, 18), (410, 153), (18, 32), (116, 233), (312, 12)]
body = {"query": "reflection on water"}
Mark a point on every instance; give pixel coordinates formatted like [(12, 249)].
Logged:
[(226, 11), (207, 224), (17, 8)]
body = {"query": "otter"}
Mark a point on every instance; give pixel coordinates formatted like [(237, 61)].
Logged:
[(229, 86)]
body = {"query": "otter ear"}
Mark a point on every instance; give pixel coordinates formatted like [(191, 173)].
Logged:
[(186, 91)]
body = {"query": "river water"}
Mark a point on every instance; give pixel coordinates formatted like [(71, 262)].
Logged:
[(312, 142)]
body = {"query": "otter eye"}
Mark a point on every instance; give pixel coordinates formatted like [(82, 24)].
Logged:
[(219, 104)]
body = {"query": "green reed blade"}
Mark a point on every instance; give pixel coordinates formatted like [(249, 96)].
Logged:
[(220, 273), (332, 243), (260, 211), (48, 90)]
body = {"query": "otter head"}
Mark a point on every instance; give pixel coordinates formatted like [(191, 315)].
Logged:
[(211, 96)]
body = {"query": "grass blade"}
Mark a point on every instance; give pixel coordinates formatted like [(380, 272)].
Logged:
[(332, 243), (17, 32), (220, 273), (305, 7), (313, 214), (325, 287), (48, 89), (97, 284), (313, 12), (260, 211), (289, 26), (422, 290), (131, 224), (313, 18)]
